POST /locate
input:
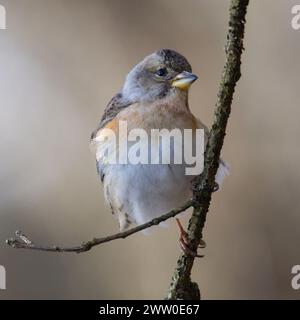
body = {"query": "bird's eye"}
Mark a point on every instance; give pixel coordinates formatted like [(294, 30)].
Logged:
[(161, 72)]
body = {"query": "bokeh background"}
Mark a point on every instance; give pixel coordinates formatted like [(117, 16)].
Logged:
[(60, 63)]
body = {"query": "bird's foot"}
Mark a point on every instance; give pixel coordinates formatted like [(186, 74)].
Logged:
[(184, 242)]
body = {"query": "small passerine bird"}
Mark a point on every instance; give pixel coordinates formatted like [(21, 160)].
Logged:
[(154, 96)]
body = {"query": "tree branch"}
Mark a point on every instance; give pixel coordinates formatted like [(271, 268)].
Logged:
[(23, 242), (181, 285)]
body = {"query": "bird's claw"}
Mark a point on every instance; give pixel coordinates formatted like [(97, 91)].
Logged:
[(184, 243)]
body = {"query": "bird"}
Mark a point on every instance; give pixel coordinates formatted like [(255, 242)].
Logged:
[(154, 96)]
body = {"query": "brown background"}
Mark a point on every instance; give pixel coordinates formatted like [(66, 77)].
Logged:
[(60, 62)]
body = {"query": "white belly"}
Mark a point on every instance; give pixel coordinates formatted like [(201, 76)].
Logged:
[(144, 192)]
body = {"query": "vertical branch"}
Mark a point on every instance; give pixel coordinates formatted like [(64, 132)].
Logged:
[(181, 286)]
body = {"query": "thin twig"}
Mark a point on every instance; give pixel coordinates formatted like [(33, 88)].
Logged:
[(23, 242)]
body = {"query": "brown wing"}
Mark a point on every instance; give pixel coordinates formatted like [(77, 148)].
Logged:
[(115, 105)]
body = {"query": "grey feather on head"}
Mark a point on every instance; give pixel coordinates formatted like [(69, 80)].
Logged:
[(151, 79)]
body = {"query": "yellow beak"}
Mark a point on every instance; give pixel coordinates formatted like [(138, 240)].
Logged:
[(184, 80)]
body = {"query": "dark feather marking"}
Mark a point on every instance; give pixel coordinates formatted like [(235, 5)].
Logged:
[(100, 170), (175, 60), (115, 105)]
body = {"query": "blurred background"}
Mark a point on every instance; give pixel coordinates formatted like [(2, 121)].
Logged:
[(60, 63)]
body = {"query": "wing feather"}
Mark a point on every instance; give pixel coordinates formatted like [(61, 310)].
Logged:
[(115, 105)]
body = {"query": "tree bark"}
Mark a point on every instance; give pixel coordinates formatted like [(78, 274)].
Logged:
[(181, 285)]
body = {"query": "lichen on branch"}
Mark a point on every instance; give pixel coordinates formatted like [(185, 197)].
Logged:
[(181, 285)]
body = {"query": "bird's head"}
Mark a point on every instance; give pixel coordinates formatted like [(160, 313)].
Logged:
[(158, 75)]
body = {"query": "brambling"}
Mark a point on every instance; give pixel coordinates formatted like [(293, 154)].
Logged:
[(154, 96)]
